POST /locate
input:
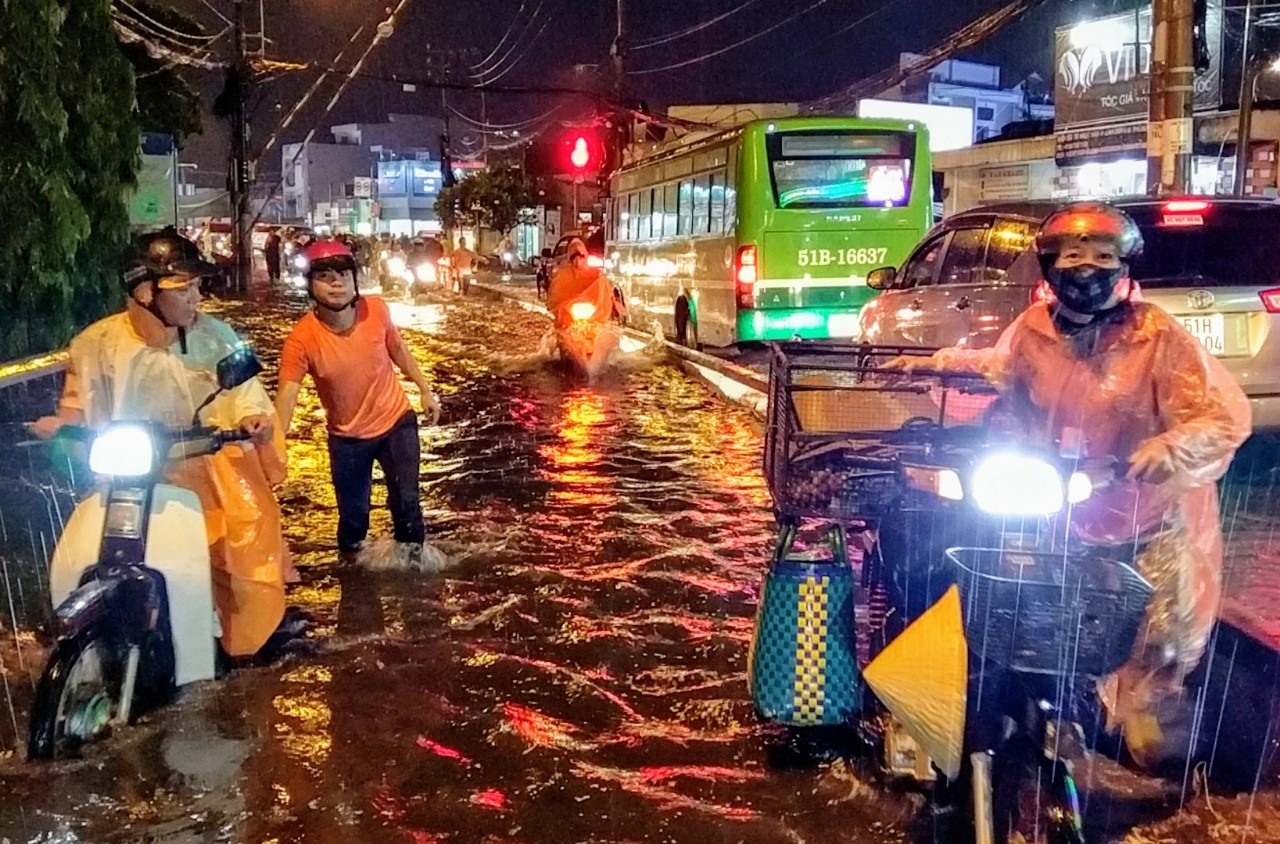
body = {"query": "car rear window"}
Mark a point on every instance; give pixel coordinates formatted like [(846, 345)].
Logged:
[(1221, 245)]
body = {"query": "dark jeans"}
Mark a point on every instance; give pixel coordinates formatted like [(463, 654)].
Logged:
[(398, 452)]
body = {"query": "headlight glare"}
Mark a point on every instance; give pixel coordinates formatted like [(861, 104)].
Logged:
[(1012, 484), (123, 451)]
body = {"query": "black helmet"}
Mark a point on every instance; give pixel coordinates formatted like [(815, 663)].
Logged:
[(1082, 289), (165, 254)]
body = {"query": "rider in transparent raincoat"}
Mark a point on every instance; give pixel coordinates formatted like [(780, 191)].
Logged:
[(1097, 373)]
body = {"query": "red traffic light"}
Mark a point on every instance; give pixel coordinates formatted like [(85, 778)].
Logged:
[(580, 156)]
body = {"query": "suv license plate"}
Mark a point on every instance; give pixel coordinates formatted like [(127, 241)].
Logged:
[(1209, 329)]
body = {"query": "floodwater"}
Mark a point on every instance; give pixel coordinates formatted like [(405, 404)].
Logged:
[(577, 674)]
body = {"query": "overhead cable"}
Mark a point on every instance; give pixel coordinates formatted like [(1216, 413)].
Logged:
[(161, 51), (510, 28), (155, 24), (753, 37), (489, 79), (646, 43)]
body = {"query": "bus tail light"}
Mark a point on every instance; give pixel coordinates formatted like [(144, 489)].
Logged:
[(745, 273)]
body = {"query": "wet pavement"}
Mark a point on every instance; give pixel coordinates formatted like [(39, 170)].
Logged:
[(578, 674)]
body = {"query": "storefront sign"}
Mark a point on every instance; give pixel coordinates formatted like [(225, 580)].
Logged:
[(998, 183), (1076, 145), (1102, 68)]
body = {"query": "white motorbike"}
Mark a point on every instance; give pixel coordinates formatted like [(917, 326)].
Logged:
[(131, 583)]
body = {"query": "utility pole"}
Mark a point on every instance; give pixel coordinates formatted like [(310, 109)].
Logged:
[(1170, 130), (1249, 70), (241, 237), (618, 52)]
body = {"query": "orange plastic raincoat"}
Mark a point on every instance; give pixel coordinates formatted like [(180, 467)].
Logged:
[(1139, 378), (114, 375)]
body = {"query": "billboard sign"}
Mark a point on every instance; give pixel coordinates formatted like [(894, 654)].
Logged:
[(950, 127), (1102, 68)]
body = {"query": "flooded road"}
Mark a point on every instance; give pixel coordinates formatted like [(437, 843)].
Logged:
[(577, 674)]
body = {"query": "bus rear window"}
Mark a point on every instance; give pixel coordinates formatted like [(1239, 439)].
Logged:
[(841, 169)]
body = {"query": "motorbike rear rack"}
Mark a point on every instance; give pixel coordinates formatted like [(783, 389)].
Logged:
[(840, 426)]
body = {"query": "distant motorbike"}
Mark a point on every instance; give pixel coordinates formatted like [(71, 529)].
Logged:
[(590, 334), (131, 582), (395, 277)]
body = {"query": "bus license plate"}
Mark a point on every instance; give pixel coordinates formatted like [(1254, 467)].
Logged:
[(1209, 329)]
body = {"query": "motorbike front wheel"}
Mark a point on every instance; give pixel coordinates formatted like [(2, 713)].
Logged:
[(78, 697), (1035, 801)]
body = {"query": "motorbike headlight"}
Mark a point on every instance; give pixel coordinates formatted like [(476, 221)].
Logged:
[(582, 310), (1012, 484), (1079, 488), (395, 266), (123, 451), (300, 262), (425, 272)]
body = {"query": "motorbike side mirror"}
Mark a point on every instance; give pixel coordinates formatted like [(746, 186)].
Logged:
[(237, 368), (882, 278)]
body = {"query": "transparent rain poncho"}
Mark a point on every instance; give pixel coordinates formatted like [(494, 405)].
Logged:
[(114, 376), (1136, 378)]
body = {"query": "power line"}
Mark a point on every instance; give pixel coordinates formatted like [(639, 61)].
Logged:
[(646, 43), (510, 29), (723, 50), (161, 51), (514, 62), (150, 36), (157, 25), (963, 38), (306, 97), (860, 20)]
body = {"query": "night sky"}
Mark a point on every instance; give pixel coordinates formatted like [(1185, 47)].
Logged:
[(818, 52)]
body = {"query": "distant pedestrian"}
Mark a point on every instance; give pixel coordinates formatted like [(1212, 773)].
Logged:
[(272, 252)]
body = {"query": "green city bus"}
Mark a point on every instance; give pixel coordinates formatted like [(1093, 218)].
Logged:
[(767, 231)]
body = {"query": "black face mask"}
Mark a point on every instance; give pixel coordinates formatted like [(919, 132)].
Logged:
[(1085, 290)]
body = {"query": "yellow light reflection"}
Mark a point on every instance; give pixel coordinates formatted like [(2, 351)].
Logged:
[(574, 458), (303, 732)]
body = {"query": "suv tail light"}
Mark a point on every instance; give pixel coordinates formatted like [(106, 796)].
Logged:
[(745, 273), (1271, 300)]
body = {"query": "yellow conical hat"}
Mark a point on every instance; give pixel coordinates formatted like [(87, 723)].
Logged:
[(922, 677)]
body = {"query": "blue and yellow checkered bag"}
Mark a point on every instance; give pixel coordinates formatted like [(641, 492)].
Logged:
[(803, 663)]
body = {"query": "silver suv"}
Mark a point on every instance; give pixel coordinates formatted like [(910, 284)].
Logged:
[(1212, 262)]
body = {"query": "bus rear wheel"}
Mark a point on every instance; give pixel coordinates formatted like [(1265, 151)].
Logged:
[(686, 326)]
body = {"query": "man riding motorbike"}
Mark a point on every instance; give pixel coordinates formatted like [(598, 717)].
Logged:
[(584, 304), (156, 361), (1096, 374)]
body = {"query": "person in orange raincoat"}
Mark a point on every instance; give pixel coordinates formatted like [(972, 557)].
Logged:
[(579, 282), (157, 361), (1098, 374)]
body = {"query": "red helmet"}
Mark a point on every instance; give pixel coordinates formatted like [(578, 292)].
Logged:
[(328, 254)]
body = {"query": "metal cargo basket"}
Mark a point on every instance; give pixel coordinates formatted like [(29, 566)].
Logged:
[(1044, 613), (839, 424)]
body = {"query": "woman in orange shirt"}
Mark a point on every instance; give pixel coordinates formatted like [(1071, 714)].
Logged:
[(348, 345)]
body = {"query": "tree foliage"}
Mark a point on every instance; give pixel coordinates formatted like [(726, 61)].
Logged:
[(69, 156), (167, 103), (495, 198)]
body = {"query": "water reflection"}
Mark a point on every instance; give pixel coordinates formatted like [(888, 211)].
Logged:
[(573, 461)]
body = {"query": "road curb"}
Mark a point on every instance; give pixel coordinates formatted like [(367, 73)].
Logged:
[(734, 383)]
